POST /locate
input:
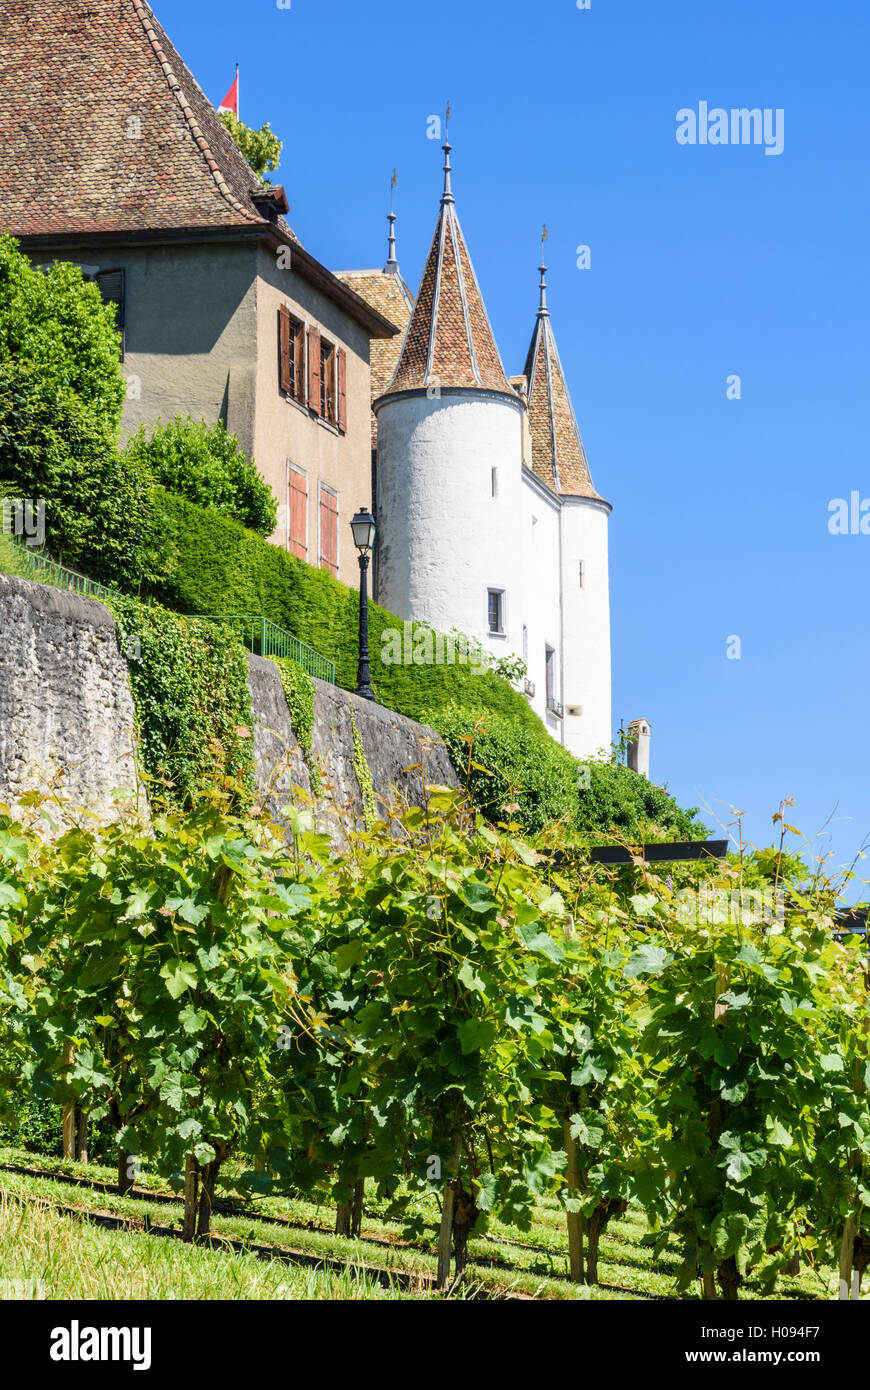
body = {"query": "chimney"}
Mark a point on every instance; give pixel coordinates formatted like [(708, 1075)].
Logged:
[(638, 746)]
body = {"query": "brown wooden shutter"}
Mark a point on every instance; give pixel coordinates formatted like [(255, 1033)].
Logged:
[(328, 531), (298, 514), (314, 369), (299, 348), (342, 389), (285, 380)]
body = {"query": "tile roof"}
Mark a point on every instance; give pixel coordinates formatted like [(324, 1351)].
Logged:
[(103, 128), (558, 456), (388, 294), (449, 337)]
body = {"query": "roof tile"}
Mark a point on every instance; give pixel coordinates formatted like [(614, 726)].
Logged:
[(104, 129)]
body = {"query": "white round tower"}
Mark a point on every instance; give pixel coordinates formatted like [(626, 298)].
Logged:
[(569, 543), (449, 459)]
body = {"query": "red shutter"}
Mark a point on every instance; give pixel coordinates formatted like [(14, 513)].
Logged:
[(342, 390), (328, 531), (314, 369), (298, 514), (284, 344)]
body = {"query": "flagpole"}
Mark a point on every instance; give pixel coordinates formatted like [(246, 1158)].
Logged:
[(238, 96)]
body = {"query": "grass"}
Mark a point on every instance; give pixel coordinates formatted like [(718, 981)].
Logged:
[(504, 1262), (46, 1255)]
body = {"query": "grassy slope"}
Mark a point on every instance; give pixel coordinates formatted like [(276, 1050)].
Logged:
[(76, 1260)]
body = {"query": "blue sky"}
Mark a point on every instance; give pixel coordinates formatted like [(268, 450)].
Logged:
[(706, 261)]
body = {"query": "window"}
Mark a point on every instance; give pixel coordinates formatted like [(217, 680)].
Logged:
[(297, 505), (292, 355), (327, 381), (582, 574), (495, 482), (495, 601), (111, 284), (550, 663), (328, 529), (525, 644)]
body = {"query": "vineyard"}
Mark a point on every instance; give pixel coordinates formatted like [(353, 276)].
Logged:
[(430, 1063)]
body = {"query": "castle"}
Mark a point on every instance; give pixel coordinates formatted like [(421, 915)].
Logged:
[(488, 518)]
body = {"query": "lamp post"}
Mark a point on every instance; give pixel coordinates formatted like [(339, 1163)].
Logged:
[(363, 528)]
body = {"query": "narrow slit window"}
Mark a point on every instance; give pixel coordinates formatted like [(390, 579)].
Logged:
[(550, 659), (496, 610)]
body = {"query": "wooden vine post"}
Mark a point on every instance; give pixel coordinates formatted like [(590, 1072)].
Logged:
[(68, 1115), (574, 1218), (445, 1230), (852, 1246)]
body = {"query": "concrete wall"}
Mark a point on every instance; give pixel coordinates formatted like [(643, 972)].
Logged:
[(65, 699), (190, 338), (65, 703)]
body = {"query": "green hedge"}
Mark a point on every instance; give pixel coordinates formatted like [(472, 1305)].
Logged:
[(220, 567)]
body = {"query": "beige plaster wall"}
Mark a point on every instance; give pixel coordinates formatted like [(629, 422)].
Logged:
[(288, 433)]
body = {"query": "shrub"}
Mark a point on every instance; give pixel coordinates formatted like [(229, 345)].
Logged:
[(56, 323), (206, 465), (516, 772)]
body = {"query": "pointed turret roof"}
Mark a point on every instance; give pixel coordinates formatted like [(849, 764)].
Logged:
[(386, 292), (103, 128), (449, 339), (558, 456)]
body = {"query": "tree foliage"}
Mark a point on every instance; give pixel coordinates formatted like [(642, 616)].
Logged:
[(261, 148), (205, 464)]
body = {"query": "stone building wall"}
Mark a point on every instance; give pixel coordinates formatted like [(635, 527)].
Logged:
[(66, 708), (65, 701)]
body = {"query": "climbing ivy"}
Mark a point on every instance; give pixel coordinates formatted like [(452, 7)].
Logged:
[(363, 774), (193, 706), (299, 692)]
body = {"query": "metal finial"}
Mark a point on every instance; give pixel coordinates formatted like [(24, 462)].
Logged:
[(542, 307), (447, 196), (392, 263)]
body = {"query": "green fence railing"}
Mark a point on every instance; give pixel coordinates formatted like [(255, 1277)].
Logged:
[(265, 638), (48, 571), (260, 635)]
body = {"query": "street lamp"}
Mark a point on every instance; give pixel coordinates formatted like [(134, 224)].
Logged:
[(363, 528)]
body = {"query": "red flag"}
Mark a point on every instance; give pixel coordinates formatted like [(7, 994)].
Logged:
[(231, 100)]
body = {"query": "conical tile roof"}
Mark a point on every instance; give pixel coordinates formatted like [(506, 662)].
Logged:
[(558, 456), (449, 341)]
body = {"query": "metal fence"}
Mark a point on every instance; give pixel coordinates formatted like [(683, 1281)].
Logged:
[(259, 634), (265, 638), (48, 571)]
